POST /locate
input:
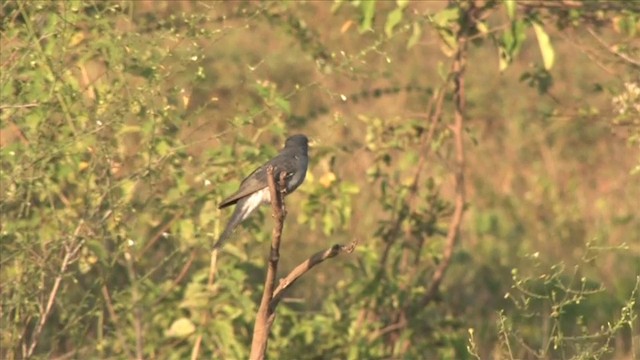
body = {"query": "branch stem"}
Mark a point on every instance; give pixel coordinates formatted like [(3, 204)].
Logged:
[(261, 327)]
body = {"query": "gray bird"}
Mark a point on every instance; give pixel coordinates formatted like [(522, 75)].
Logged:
[(254, 189)]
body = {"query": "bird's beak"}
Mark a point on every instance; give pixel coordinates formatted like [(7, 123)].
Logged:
[(312, 142)]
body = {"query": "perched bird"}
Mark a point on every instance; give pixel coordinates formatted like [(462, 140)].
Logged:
[(254, 189)]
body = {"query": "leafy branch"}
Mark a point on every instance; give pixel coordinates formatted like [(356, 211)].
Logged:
[(71, 249)]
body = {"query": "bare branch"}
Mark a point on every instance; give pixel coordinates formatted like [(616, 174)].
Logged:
[(261, 327), (612, 50), (591, 6), (457, 129), (71, 249), (304, 267), (271, 297), (19, 106), (159, 234), (400, 324), (115, 319), (135, 299), (213, 266)]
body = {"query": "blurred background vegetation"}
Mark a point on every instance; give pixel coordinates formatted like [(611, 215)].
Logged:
[(123, 124)]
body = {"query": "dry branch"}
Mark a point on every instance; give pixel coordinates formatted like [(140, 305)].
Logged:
[(304, 267), (458, 129), (270, 297), (213, 265), (261, 327), (71, 249), (612, 50)]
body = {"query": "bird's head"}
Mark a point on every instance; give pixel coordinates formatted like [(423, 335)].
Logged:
[(298, 140)]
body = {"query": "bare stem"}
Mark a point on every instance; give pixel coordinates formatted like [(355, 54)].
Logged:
[(195, 350), (135, 299), (261, 327), (70, 251), (304, 267), (457, 129), (271, 297)]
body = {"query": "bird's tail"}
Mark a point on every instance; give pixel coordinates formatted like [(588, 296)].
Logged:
[(223, 238), (243, 209)]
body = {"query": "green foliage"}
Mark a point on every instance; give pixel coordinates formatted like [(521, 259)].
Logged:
[(563, 302), (124, 124), (626, 107)]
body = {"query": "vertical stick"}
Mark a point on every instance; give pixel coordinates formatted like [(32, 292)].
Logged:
[(261, 327)]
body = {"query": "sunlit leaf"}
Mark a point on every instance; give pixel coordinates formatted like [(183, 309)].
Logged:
[(349, 188), (546, 49), (181, 328), (283, 104), (327, 179), (129, 129), (416, 34), (512, 40), (511, 8), (368, 12), (444, 17), (98, 249), (393, 19)]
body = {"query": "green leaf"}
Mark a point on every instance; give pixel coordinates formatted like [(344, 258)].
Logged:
[(349, 188), (503, 59), (393, 19), (126, 129), (368, 12), (548, 55), (336, 6), (444, 17), (327, 224), (186, 228), (512, 40), (627, 25), (128, 190), (98, 249), (283, 104), (416, 34), (444, 22), (511, 8), (181, 328), (163, 148)]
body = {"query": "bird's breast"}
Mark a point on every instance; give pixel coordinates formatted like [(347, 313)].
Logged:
[(299, 174), (263, 196)]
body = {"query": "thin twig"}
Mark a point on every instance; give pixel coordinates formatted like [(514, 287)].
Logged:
[(195, 351), (19, 106), (159, 234), (576, 4), (434, 109), (115, 319), (303, 268), (135, 299), (181, 275), (48, 65), (70, 252), (400, 324), (609, 48)]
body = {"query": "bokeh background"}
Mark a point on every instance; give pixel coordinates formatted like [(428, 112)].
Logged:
[(123, 125)]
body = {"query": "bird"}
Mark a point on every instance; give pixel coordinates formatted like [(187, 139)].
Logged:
[(254, 189)]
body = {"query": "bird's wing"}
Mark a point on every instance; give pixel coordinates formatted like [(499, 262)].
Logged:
[(252, 183), (257, 180), (244, 207)]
